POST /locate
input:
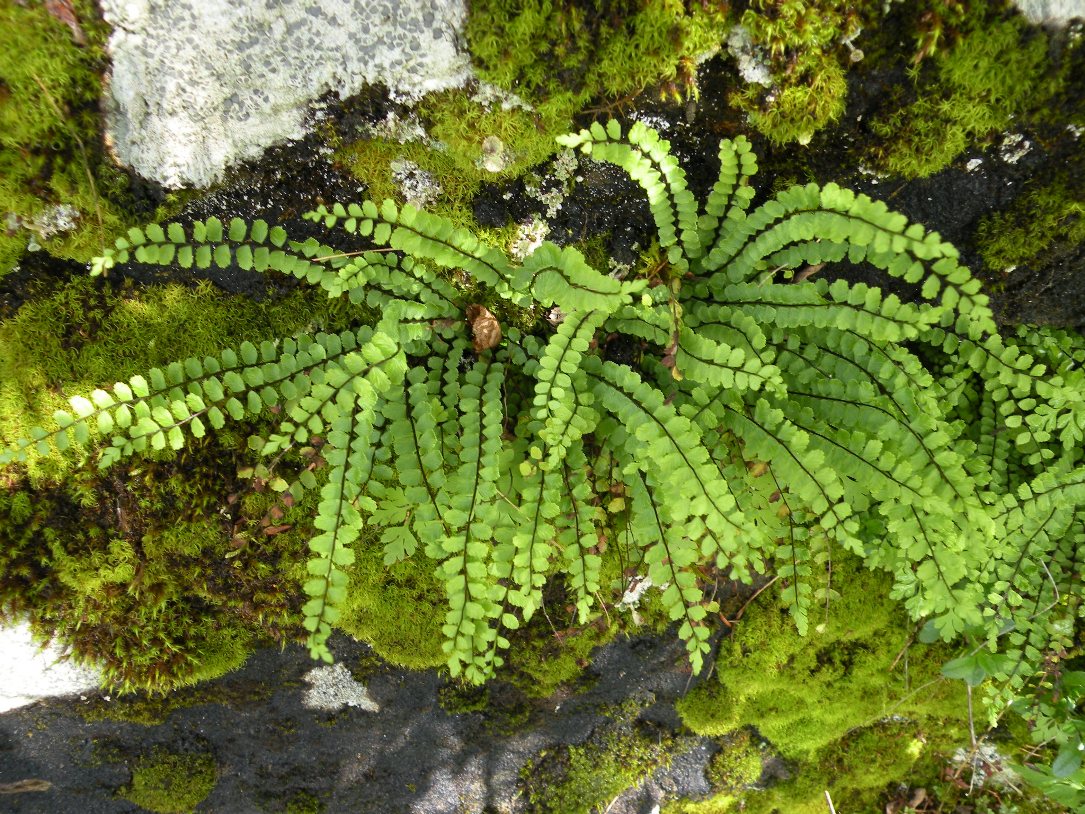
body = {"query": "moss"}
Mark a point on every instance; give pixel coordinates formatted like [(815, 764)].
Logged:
[(140, 572), (91, 333), (165, 570), (464, 124), (541, 659), (398, 609), (1042, 220), (824, 702), (558, 55), (171, 783), (584, 779), (303, 802), (768, 674), (855, 771), (152, 709), (737, 763), (50, 151), (996, 71), (717, 804), (804, 44)]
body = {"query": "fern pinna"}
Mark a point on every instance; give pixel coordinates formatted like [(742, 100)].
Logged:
[(768, 419)]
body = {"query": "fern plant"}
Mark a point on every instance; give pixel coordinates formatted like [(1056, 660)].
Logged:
[(729, 412)]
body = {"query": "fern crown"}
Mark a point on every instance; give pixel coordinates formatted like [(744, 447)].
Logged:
[(758, 420)]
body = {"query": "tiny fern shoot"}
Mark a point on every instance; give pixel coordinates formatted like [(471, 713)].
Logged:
[(768, 420)]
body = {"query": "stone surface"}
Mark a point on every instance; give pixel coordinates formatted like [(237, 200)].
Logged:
[(198, 85), (31, 673), (1051, 12), (423, 752)]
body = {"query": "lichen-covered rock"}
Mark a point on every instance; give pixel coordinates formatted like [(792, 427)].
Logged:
[(197, 86)]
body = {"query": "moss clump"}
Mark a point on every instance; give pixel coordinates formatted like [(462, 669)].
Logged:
[(736, 764), (161, 570), (541, 660), (398, 609), (997, 70), (50, 151), (855, 771), (803, 694), (804, 43), (151, 709), (303, 802), (139, 571), (558, 54), (171, 783), (91, 333), (719, 804), (1038, 223), (585, 779), (818, 700)]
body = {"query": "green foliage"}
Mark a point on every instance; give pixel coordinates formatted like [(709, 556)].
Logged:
[(804, 694), (1047, 218), (825, 703), (171, 783), (736, 764)]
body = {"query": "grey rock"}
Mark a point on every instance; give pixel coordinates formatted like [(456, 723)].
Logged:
[(198, 85), (1051, 12)]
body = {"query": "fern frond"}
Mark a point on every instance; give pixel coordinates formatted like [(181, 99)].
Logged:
[(468, 506), (378, 367), (563, 399), (731, 195), (649, 162), (562, 277), (576, 532)]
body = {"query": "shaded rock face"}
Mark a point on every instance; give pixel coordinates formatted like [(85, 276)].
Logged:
[(411, 755), (198, 86)]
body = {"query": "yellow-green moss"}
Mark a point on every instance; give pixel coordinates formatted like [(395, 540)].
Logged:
[(558, 54), (824, 702), (541, 660), (398, 609), (171, 783), (140, 570), (803, 42), (737, 763), (803, 694), (1044, 218), (89, 335), (145, 568), (50, 150), (718, 804), (855, 771), (304, 803), (996, 71), (585, 779)]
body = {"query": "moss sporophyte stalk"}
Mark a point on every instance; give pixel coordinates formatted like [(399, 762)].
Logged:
[(767, 420)]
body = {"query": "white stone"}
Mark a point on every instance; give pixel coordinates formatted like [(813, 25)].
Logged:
[(333, 688), (198, 85), (1051, 12), (31, 673)]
